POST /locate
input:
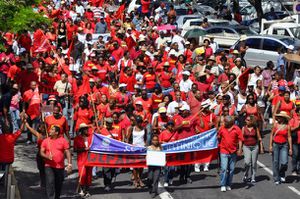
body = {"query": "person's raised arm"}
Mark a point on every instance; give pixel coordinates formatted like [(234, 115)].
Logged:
[(32, 130)]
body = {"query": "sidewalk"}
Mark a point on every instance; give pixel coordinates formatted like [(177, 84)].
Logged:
[(27, 174)]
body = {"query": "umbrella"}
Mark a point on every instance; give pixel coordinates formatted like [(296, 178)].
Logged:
[(166, 27), (194, 33)]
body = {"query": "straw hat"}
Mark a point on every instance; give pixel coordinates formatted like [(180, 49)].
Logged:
[(83, 125), (283, 114)]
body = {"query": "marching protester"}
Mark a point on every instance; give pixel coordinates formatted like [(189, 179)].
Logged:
[(154, 171), (231, 139), (252, 145), (135, 75), (53, 150), (280, 146)]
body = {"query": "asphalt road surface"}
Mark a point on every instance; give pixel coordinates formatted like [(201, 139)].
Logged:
[(205, 184)]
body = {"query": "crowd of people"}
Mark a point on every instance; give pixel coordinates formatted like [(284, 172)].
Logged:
[(140, 85)]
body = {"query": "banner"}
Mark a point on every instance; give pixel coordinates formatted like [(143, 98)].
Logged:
[(107, 152)]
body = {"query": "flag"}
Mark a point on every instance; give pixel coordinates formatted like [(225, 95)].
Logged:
[(40, 42), (120, 12), (83, 89), (243, 79), (71, 48)]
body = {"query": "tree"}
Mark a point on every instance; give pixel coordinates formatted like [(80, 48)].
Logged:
[(258, 7), (18, 15)]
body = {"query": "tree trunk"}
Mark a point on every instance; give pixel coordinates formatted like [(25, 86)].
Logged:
[(258, 8)]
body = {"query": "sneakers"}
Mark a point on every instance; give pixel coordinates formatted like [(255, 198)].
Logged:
[(282, 179), (166, 184), (81, 193), (107, 189), (277, 183), (171, 182), (253, 181), (223, 189), (206, 168), (294, 173), (228, 188), (197, 168)]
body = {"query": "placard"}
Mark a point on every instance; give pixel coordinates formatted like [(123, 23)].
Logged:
[(156, 158)]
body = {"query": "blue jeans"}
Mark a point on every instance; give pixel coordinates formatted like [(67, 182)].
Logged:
[(280, 160), (227, 168), (168, 173), (15, 119), (296, 158)]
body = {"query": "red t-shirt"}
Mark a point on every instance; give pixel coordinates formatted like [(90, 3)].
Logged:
[(114, 132), (150, 80), (188, 128), (79, 143), (57, 148), (167, 136), (7, 146), (229, 139), (83, 116), (61, 122)]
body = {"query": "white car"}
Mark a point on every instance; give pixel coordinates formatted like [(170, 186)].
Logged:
[(183, 18), (226, 36), (264, 48), (196, 23)]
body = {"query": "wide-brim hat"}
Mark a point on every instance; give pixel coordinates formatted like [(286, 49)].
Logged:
[(283, 114), (83, 125)]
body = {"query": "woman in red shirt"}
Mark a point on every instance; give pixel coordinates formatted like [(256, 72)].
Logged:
[(285, 104), (251, 139), (102, 107), (83, 114), (82, 144), (157, 98), (280, 146), (251, 108)]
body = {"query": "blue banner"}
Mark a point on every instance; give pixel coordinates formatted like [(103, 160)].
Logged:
[(201, 142)]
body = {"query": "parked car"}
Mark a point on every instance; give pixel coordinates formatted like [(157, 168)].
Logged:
[(226, 36), (248, 12), (183, 18), (263, 48), (281, 27), (196, 23)]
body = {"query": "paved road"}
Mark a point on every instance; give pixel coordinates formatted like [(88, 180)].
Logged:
[(205, 184)]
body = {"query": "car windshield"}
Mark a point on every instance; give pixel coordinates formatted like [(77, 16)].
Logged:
[(245, 31), (296, 32), (288, 41)]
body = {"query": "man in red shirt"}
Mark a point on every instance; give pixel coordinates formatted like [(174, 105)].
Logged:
[(58, 119), (7, 144), (53, 150), (31, 106), (231, 138), (111, 132)]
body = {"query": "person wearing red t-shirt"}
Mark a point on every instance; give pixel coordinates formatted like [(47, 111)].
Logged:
[(59, 120), (25, 77), (295, 133), (127, 77), (231, 138), (185, 127), (149, 79), (83, 114), (31, 106), (280, 146), (110, 132), (53, 150), (157, 98), (168, 135), (7, 145), (146, 101), (159, 122), (145, 7), (82, 144)]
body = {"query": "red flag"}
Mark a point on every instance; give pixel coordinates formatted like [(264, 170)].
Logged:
[(71, 48), (130, 42), (120, 12), (243, 79), (40, 42), (83, 89)]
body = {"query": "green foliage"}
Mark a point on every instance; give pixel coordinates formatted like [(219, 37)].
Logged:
[(18, 15), (26, 19)]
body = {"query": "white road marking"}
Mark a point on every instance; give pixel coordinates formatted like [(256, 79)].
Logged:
[(293, 189), (265, 168), (164, 194)]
